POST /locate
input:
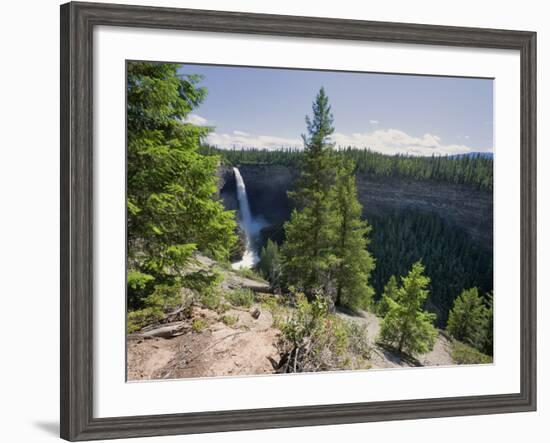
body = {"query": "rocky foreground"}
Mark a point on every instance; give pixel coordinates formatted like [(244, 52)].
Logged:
[(208, 342)]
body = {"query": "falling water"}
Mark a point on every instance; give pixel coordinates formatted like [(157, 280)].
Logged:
[(247, 223)]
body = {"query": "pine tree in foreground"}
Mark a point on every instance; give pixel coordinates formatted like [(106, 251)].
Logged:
[(468, 319), (406, 326), (354, 262), (171, 187), (310, 232)]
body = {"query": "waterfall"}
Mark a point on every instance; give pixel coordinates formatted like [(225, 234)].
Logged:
[(247, 223)]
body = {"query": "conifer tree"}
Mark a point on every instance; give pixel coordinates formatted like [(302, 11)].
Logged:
[(468, 319), (172, 209), (488, 342), (354, 262), (391, 291), (270, 263), (406, 326), (308, 249)]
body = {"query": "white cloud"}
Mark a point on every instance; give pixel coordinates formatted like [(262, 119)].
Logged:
[(241, 133), (374, 122), (386, 141), (394, 141), (196, 119)]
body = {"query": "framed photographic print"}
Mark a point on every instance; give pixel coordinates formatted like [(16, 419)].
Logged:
[(273, 221)]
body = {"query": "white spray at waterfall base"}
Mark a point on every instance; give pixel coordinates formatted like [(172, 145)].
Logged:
[(250, 226)]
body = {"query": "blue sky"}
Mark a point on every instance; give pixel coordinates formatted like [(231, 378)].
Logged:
[(419, 115)]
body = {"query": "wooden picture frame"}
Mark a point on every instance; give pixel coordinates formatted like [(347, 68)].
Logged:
[(77, 23)]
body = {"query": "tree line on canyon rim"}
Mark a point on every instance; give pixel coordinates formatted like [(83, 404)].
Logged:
[(325, 259)]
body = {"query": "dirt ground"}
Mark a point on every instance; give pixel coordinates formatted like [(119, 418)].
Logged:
[(244, 348), (383, 358), (247, 347), (239, 343)]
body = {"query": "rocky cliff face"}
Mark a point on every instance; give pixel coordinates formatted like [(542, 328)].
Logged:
[(460, 205)]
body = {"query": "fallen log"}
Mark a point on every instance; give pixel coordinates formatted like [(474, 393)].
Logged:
[(169, 330)]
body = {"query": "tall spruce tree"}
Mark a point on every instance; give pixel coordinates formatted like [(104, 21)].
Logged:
[(172, 209), (354, 262), (308, 249), (468, 320), (406, 326)]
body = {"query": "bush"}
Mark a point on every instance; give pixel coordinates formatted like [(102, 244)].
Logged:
[(357, 340), (463, 354), (273, 305), (163, 299), (313, 340), (241, 297), (211, 298), (199, 324), (230, 320), (139, 285)]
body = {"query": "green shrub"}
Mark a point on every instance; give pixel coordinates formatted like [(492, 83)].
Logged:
[(463, 354), (273, 305), (230, 320), (163, 299), (199, 325), (241, 297), (139, 285), (358, 340), (211, 298), (143, 317), (312, 339)]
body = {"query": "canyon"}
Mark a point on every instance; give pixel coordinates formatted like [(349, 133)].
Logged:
[(462, 206)]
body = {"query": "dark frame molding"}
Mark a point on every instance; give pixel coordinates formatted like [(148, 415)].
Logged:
[(77, 24)]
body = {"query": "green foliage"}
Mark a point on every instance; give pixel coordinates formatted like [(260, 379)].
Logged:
[(325, 245), (154, 306), (211, 298), (307, 252), (472, 170), (248, 273), (312, 339), (463, 354), (354, 262), (391, 291), (230, 320), (199, 325), (172, 209), (241, 297), (270, 263), (139, 285), (357, 339), (453, 260), (488, 342), (469, 319), (406, 326)]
